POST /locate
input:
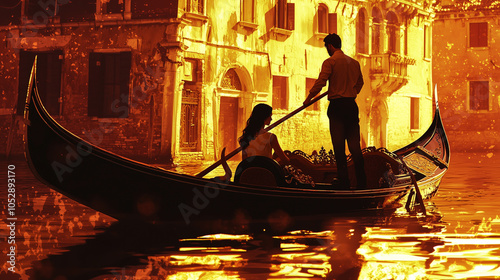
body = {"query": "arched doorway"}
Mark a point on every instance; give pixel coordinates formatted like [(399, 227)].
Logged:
[(377, 130), (232, 110)]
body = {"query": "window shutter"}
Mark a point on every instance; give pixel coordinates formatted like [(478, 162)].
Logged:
[(125, 63), (332, 23), (290, 11), (479, 95), (361, 33), (53, 82), (280, 92), (478, 34), (483, 34), (96, 84), (473, 35), (247, 13), (322, 19), (280, 13)]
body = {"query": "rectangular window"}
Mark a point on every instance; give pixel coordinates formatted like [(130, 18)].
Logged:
[(414, 113), (478, 34), (190, 70), (77, 11), (479, 95), (332, 22), (11, 12), (152, 9), (112, 7), (309, 84), (190, 107), (285, 15), (48, 77), (427, 42), (322, 18), (248, 10), (280, 92), (290, 15), (109, 75), (109, 10), (195, 6)]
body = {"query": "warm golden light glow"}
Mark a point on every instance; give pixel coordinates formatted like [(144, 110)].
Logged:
[(438, 255)]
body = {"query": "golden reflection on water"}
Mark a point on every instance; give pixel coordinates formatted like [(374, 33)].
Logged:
[(384, 253)]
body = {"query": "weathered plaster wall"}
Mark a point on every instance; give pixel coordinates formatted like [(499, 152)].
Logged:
[(459, 64), (220, 43), (126, 136)]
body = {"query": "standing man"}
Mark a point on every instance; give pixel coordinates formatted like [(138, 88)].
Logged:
[(345, 82)]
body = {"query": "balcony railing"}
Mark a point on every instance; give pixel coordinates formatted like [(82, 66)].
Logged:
[(388, 71)]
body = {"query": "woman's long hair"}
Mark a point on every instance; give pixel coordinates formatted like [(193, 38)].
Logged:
[(256, 121)]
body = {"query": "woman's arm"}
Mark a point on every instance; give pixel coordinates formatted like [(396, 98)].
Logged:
[(277, 149)]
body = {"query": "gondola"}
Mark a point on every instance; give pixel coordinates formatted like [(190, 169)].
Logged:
[(126, 189)]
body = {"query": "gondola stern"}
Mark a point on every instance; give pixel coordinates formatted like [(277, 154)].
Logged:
[(440, 126), (29, 109), (436, 127)]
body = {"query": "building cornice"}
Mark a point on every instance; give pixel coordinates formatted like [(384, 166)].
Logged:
[(92, 24), (409, 7), (454, 13)]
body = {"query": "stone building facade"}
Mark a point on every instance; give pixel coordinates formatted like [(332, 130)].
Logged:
[(467, 43), (175, 81)]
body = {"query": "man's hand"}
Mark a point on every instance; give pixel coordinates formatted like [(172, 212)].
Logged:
[(309, 98), (307, 101)]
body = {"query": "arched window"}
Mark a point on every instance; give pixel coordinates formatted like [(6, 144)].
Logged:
[(322, 18), (376, 31), (392, 31), (361, 33)]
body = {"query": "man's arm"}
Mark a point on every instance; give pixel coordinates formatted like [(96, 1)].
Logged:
[(359, 83), (324, 75)]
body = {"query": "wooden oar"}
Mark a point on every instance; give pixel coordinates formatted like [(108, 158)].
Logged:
[(419, 199), (273, 125)]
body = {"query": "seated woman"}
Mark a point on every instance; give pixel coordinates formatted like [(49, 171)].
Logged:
[(255, 141)]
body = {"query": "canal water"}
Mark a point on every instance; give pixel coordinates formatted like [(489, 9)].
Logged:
[(57, 238)]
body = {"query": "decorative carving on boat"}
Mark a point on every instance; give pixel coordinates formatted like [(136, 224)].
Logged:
[(420, 163), (323, 158), (321, 166), (425, 161), (438, 149), (295, 177)]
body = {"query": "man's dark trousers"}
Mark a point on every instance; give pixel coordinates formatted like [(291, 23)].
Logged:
[(344, 125)]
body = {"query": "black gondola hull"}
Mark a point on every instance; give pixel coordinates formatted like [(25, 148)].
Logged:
[(126, 189)]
